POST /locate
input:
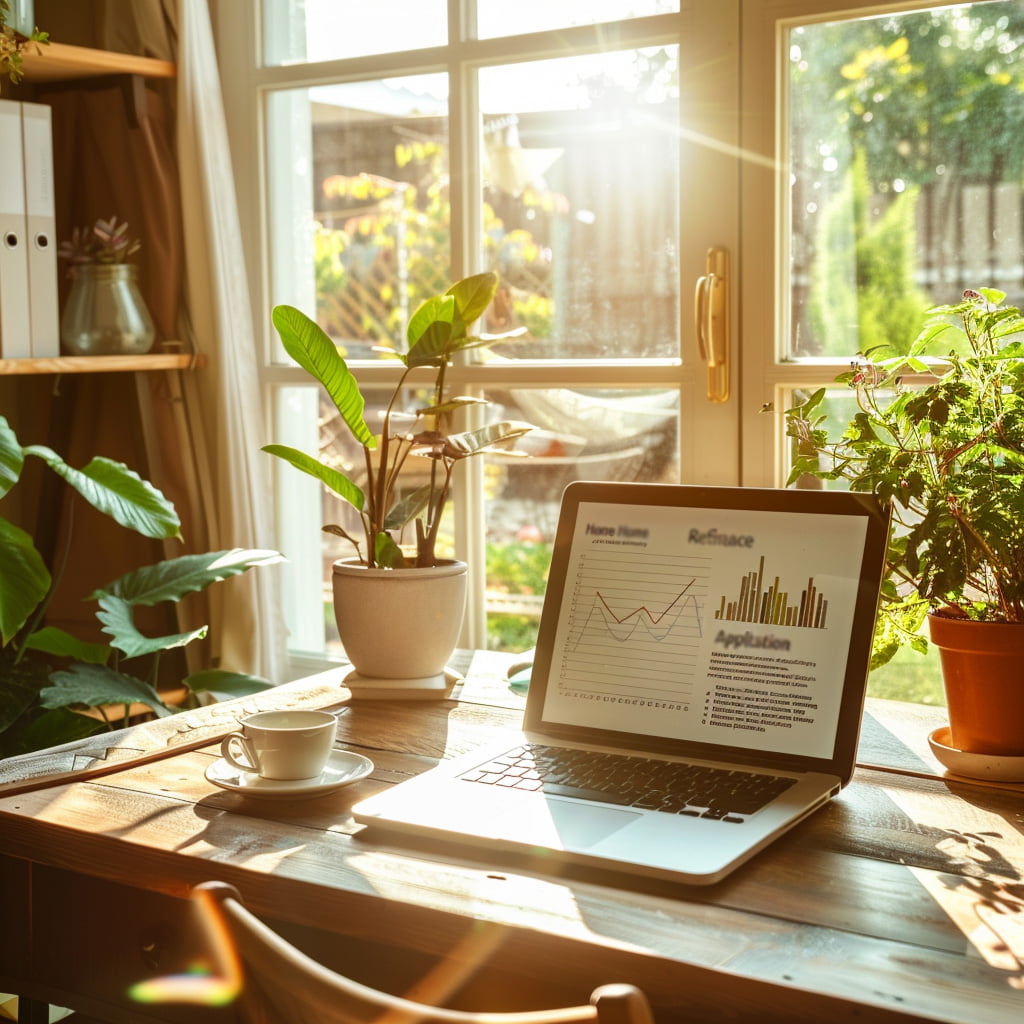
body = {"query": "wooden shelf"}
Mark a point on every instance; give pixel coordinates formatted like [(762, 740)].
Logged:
[(99, 364), (60, 62)]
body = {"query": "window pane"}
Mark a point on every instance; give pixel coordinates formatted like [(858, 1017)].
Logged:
[(501, 18), (907, 152), (297, 31), (581, 434), (581, 166), (360, 209)]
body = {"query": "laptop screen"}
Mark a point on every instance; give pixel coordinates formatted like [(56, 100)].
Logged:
[(730, 617)]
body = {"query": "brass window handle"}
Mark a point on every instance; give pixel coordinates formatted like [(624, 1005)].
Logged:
[(711, 322)]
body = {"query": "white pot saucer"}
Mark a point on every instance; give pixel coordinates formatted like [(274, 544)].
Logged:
[(428, 688), (991, 767), (343, 767)]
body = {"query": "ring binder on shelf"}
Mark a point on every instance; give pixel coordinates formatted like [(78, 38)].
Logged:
[(41, 243), (15, 326)]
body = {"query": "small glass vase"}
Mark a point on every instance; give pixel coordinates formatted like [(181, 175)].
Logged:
[(105, 313)]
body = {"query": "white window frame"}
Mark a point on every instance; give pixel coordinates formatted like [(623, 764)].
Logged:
[(706, 31)]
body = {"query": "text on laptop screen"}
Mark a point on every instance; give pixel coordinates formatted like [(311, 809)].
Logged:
[(707, 624)]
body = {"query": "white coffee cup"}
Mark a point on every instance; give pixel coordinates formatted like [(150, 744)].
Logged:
[(282, 744)]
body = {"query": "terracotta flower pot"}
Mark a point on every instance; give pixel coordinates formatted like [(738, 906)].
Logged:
[(399, 623), (983, 675)]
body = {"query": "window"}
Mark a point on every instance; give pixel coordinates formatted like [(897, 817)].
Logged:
[(592, 153), (394, 162)]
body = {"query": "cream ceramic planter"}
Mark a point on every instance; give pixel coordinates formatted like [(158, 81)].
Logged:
[(399, 624)]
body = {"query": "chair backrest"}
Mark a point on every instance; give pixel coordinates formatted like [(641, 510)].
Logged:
[(276, 983)]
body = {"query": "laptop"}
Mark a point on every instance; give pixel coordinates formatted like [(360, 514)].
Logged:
[(697, 688)]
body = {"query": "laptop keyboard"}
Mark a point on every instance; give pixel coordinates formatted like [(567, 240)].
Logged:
[(675, 787)]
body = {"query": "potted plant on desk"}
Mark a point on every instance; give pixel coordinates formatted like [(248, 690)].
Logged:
[(398, 612), (946, 447)]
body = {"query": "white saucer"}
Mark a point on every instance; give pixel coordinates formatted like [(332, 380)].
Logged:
[(993, 767), (342, 768), (428, 688)]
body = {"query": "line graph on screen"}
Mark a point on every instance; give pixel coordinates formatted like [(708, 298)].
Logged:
[(634, 623)]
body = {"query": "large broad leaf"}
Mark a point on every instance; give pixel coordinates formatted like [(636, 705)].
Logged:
[(96, 685), (116, 616), (24, 579), (494, 435), (226, 685), (117, 491), (337, 482), (173, 579), (12, 458), (308, 344), (51, 640)]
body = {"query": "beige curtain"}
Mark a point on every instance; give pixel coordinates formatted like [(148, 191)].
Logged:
[(155, 153), (245, 614)]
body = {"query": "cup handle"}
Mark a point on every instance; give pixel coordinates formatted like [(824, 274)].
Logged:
[(229, 756)]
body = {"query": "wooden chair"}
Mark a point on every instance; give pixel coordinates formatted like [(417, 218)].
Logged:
[(273, 982)]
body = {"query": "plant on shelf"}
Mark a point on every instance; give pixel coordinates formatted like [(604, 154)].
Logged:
[(105, 313), (436, 332), (105, 242), (46, 674), (13, 46), (945, 445)]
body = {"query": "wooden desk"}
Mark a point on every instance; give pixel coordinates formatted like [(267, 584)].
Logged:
[(903, 900)]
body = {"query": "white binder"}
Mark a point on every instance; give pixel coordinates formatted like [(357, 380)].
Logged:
[(41, 244), (15, 326)]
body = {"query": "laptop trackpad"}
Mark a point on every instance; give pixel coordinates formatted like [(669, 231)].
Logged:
[(584, 825)]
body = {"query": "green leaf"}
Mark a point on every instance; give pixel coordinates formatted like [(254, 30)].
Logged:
[(51, 640), (430, 332), (117, 491), (483, 439), (24, 579), (387, 554), (116, 616), (172, 579), (55, 728), (12, 457), (308, 344), (337, 482), (408, 508), (19, 686), (96, 685), (226, 685), (473, 295), (438, 328)]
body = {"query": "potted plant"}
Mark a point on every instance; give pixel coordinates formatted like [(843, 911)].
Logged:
[(46, 674), (365, 591), (14, 46), (945, 445), (105, 313)]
